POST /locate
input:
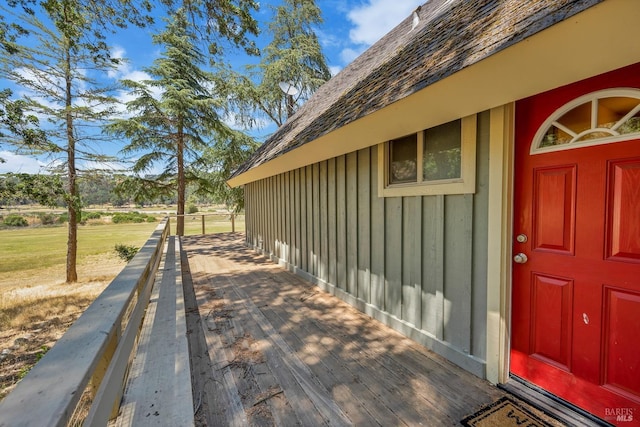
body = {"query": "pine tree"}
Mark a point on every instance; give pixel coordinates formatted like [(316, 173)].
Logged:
[(64, 102), (293, 60), (173, 117), (228, 151)]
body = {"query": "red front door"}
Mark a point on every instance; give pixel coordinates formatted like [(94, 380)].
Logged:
[(576, 290)]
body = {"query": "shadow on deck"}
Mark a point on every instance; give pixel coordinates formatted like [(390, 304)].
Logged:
[(269, 348)]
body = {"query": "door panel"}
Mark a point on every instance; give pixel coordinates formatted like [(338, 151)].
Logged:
[(622, 355), (551, 320), (554, 209), (623, 197)]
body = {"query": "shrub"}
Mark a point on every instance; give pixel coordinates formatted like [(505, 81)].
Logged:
[(120, 218), (135, 217), (91, 215), (84, 216), (14, 220), (126, 252), (40, 354), (191, 209), (48, 218)]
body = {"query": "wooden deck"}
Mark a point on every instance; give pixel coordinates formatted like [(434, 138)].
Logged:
[(282, 352)]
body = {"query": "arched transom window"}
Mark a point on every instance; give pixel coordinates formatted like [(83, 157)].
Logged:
[(601, 117)]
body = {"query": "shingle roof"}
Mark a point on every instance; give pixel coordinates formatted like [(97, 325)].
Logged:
[(451, 35)]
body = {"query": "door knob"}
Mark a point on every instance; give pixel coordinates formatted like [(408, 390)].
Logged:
[(520, 258)]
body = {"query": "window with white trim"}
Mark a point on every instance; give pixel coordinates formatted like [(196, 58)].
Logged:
[(438, 160), (602, 117)]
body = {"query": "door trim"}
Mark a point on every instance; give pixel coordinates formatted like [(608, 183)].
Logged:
[(499, 242)]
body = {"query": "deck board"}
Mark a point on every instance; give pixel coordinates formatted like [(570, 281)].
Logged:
[(158, 390), (307, 358), (371, 375)]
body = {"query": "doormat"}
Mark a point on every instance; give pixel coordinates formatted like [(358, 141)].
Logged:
[(505, 413)]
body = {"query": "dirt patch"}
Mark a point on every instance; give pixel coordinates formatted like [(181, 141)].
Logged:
[(21, 349)]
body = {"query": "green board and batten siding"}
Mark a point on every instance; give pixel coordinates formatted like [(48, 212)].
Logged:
[(418, 264)]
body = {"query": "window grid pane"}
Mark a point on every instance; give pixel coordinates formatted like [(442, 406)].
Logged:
[(403, 153), (601, 117), (442, 152)]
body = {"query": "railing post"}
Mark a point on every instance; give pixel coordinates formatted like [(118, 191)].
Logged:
[(102, 368), (202, 223), (233, 222)]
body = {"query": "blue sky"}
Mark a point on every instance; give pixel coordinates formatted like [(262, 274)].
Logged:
[(350, 27)]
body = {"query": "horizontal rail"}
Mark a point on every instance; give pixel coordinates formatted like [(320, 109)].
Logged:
[(94, 352), (231, 216)]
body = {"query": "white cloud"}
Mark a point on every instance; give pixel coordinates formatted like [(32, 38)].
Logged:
[(327, 39), (118, 52), (136, 76), (348, 55), (124, 71), (377, 17), (334, 69), (20, 164)]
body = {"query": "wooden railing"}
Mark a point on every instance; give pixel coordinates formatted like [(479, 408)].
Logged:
[(232, 217), (89, 363)]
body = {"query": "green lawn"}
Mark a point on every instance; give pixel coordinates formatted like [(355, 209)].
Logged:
[(39, 247)]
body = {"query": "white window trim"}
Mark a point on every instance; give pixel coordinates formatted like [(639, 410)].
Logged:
[(466, 184), (592, 97)]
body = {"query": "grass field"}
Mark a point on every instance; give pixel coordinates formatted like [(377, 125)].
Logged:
[(41, 247)]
